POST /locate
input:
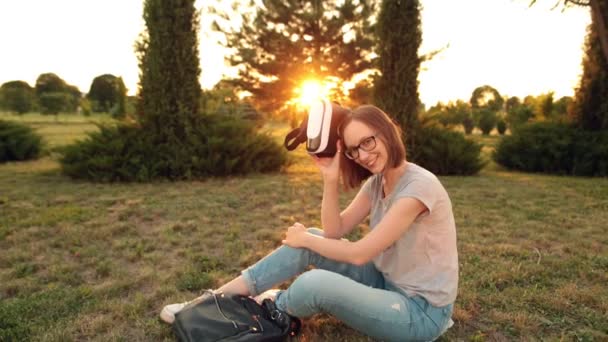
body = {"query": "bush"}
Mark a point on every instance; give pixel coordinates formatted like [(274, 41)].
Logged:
[(518, 116), (554, 148), (18, 142), (218, 146), (468, 124), (446, 152), (501, 126), (486, 120)]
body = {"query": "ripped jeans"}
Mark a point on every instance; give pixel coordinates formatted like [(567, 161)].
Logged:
[(359, 296)]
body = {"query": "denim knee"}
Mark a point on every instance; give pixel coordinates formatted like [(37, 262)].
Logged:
[(302, 297)]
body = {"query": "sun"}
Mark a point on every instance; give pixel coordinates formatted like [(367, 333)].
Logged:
[(310, 91)]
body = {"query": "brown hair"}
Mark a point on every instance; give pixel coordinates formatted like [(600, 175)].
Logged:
[(389, 133)]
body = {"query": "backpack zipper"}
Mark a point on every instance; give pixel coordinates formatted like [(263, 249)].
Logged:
[(255, 317), (217, 304)]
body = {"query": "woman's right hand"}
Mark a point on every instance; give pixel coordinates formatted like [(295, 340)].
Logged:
[(330, 166)]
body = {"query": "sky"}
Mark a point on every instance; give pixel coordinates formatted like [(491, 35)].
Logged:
[(517, 49)]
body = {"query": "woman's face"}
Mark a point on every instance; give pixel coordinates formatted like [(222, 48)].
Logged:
[(363, 141)]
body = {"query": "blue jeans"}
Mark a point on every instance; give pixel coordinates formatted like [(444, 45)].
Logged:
[(359, 296)]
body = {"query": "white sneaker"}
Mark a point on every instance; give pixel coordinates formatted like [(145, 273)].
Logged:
[(167, 314), (270, 294)]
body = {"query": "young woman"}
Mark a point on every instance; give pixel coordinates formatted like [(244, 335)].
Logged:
[(397, 283)]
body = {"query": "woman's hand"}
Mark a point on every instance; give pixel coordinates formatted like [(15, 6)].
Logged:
[(296, 236), (330, 166)]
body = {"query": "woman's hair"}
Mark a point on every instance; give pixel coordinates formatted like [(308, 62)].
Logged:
[(388, 132)]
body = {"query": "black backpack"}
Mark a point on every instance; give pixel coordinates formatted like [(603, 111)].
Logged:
[(220, 317)]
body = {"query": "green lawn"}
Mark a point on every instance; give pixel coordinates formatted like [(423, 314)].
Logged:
[(58, 130), (82, 261)]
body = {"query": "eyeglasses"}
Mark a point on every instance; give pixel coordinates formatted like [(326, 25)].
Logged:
[(367, 144)]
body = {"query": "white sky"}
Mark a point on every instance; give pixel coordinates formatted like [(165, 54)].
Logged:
[(504, 43)]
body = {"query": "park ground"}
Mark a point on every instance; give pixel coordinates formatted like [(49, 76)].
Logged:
[(85, 261)]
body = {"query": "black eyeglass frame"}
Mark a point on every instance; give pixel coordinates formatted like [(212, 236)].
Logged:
[(352, 153)]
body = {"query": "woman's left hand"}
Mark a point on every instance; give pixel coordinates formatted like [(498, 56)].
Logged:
[(295, 236)]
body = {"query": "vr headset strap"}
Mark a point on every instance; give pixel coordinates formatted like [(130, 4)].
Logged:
[(296, 136)]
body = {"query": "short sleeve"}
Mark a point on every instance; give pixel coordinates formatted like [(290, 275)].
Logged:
[(422, 189), (367, 186)]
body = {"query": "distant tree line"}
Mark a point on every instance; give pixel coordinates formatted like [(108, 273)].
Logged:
[(52, 95), (488, 110)]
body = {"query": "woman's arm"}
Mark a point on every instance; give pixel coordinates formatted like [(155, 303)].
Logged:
[(394, 224), (335, 224)]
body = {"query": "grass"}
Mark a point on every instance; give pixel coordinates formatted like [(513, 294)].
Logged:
[(82, 261), (58, 130)]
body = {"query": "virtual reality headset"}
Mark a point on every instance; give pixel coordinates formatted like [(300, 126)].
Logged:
[(319, 129)]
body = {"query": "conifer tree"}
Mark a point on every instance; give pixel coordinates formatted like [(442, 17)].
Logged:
[(169, 88), (590, 107), (398, 38), (286, 42)]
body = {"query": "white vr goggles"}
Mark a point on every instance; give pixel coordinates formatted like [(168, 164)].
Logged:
[(319, 129)]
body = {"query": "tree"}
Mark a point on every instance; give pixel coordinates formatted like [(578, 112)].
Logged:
[(285, 42), (169, 88), (361, 93), (398, 38), (519, 115), (590, 105), (106, 92), (459, 112), (17, 96), (57, 93), (512, 103), (486, 97), (50, 83), (560, 107), (544, 106), (54, 102)]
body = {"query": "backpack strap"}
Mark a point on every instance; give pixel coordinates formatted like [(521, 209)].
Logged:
[(290, 325), (296, 136)]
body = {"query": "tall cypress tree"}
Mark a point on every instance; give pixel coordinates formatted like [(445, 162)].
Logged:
[(590, 107), (398, 38), (169, 88), (286, 42)]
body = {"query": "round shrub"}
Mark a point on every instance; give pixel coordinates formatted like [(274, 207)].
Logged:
[(501, 126), (445, 152), (486, 121), (18, 142), (554, 148), (217, 146), (469, 124)]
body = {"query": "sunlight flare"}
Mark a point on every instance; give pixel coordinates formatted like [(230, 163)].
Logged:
[(310, 91)]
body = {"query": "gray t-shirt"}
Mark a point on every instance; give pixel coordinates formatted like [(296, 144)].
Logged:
[(424, 261)]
